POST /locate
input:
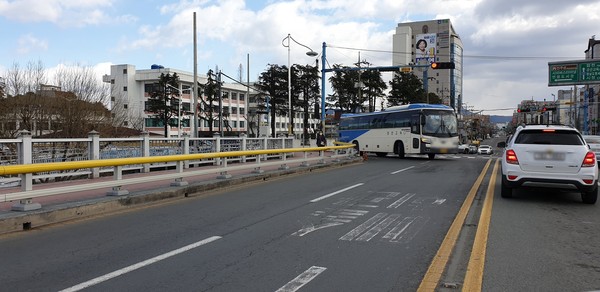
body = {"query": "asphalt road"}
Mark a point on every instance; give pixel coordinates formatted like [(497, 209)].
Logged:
[(372, 226)]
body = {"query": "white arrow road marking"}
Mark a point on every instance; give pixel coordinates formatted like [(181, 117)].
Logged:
[(307, 230)]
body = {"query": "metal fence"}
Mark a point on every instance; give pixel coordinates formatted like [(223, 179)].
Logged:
[(28, 150)]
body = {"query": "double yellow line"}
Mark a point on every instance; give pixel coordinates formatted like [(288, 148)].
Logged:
[(474, 276)]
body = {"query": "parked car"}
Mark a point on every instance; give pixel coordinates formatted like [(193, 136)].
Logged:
[(485, 149), (593, 142), (549, 156)]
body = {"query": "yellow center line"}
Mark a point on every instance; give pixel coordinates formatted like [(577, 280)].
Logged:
[(438, 264), (474, 277)]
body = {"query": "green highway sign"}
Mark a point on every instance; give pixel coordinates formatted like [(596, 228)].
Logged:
[(590, 71), (579, 72)]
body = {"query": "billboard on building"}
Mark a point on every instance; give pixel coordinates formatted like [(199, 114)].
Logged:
[(425, 47)]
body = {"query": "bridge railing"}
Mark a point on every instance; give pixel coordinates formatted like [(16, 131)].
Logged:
[(119, 159)]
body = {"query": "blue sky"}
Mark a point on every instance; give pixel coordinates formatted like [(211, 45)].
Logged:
[(507, 43)]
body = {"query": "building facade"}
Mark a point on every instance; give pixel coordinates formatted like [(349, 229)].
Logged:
[(130, 91), (418, 44)]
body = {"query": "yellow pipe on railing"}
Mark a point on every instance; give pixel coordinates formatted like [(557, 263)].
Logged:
[(53, 166)]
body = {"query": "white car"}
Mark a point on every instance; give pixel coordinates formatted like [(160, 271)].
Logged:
[(549, 156), (593, 142), (485, 149)]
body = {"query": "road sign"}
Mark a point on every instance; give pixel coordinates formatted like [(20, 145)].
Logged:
[(563, 73), (590, 71), (579, 72)]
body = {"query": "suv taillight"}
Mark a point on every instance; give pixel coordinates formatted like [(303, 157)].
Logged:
[(589, 160), (511, 157)]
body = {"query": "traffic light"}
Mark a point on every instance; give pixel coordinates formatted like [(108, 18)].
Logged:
[(442, 65), (523, 110)]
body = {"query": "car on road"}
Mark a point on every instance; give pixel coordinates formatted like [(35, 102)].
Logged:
[(463, 148), (593, 142), (485, 149), (549, 156), (472, 149)]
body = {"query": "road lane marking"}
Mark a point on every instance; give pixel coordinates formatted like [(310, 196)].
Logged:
[(401, 201), (438, 264), (401, 170), (367, 236), (307, 230), (474, 276), (139, 265), (335, 193), (363, 227), (302, 279)]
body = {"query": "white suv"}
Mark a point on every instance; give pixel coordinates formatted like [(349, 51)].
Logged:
[(549, 156)]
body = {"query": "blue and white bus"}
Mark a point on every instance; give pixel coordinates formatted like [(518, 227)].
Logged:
[(408, 129)]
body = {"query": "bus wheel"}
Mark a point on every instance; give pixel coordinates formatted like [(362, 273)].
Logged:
[(431, 155), (400, 149)]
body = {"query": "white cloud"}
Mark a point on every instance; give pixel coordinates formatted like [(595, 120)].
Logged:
[(29, 43)]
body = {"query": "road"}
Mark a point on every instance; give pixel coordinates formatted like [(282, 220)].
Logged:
[(372, 226)]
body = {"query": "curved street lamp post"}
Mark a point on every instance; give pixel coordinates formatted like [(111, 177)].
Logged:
[(310, 53)]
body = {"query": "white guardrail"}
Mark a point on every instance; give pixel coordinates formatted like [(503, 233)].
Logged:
[(26, 161)]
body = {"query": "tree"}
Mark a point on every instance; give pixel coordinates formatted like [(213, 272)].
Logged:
[(346, 97), (306, 85), (406, 88), (21, 81), (208, 110), (273, 82), (373, 87), (164, 100)]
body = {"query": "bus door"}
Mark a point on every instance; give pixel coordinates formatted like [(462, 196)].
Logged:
[(415, 130)]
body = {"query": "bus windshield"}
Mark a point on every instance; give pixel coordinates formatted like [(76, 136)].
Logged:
[(440, 124)]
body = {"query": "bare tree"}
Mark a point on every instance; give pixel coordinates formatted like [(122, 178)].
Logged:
[(84, 82), (21, 81)]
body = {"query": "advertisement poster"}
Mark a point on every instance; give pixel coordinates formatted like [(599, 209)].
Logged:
[(425, 48)]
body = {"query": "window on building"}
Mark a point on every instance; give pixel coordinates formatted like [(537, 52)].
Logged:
[(112, 81), (242, 111), (234, 95), (242, 124), (112, 98), (242, 96), (125, 106), (124, 71), (124, 88), (234, 110), (234, 124)]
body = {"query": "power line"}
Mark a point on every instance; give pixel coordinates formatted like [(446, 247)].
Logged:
[(489, 57)]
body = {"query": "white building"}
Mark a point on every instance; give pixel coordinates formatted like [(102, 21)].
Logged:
[(424, 42), (130, 92)]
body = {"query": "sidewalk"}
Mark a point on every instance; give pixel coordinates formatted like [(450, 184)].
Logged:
[(76, 205)]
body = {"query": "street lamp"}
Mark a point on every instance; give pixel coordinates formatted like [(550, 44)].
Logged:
[(179, 108), (310, 53)]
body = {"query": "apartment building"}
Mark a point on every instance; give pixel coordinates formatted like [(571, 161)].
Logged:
[(418, 44)]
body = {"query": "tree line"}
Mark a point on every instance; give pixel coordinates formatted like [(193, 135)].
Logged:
[(83, 103)]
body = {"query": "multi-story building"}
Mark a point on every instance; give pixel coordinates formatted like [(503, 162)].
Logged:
[(130, 90), (418, 44)]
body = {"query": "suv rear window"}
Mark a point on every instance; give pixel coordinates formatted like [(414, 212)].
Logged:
[(554, 137)]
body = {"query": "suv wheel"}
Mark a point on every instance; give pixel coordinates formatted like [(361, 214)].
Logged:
[(590, 197), (505, 191)]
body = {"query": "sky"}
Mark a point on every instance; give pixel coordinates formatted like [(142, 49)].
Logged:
[(507, 43)]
